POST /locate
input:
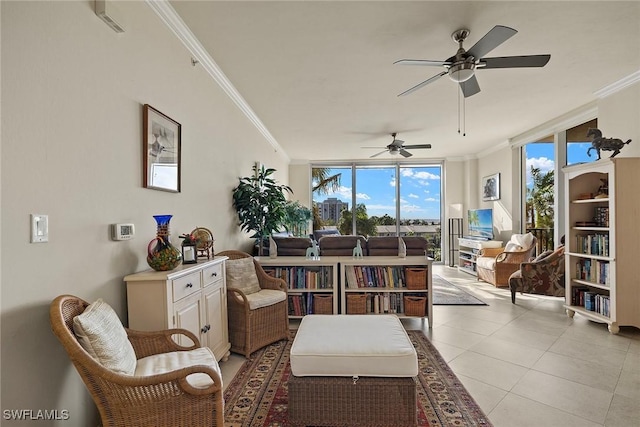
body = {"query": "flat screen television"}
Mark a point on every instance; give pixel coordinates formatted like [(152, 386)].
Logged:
[(480, 223)]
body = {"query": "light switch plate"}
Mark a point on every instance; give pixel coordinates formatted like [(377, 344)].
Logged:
[(39, 228)]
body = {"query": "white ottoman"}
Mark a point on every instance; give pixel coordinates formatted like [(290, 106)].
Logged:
[(352, 370)]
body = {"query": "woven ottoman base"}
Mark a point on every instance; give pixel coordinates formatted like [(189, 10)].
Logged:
[(344, 401)]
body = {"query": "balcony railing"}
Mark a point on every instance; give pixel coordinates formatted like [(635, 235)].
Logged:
[(544, 238)]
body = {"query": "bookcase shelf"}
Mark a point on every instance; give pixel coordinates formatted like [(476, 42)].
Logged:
[(601, 281), (306, 279), (387, 284)]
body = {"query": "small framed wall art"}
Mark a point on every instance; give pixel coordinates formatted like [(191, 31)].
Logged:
[(161, 144), (491, 187)]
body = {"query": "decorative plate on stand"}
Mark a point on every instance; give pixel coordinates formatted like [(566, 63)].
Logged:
[(205, 240)]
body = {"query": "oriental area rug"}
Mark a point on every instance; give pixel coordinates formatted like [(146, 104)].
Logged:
[(257, 395)]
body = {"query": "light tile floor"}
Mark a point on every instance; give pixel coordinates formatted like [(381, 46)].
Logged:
[(529, 364)]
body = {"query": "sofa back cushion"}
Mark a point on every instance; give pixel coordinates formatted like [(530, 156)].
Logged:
[(292, 246), (102, 335), (241, 274), (340, 245)]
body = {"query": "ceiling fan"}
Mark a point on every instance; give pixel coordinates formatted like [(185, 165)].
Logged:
[(461, 67), (397, 147)]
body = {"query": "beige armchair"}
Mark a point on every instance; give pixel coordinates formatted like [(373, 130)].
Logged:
[(138, 379), (256, 304), (495, 265)]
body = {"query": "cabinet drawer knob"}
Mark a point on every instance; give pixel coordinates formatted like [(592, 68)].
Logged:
[(214, 274), (189, 285), (204, 329)]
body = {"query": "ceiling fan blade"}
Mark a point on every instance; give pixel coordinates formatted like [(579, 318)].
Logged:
[(424, 83), (494, 38), (405, 153), (470, 87), (418, 146), (377, 154), (515, 61), (422, 62)]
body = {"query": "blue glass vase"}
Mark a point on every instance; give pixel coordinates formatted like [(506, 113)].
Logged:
[(163, 256)]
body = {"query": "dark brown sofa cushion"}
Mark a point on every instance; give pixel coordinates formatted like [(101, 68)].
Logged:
[(292, 246), (416, 245), (388, 245), (340, 245), (382, 246)]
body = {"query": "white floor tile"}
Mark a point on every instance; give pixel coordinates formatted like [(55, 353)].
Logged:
[(591, 352), (454, 336), (497, 373), (582, 371), (574, 398), (526, 337), (508, 351), (517, 411), (485, 395), (624, 412)]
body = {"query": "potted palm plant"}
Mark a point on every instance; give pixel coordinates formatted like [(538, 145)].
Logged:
[(261, 204)]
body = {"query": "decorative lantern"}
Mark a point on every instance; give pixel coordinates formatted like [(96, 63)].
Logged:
[(189, 249)]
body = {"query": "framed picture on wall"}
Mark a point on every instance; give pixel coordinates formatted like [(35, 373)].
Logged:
[(491, 187), (161, 146)]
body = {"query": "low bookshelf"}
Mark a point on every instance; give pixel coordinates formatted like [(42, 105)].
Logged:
[(312, 284), (387, 284)]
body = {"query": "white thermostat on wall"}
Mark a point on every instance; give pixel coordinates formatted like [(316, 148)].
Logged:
[(122, 231)]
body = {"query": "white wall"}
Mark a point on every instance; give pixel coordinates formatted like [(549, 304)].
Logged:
[(617, 118), (72, 96)]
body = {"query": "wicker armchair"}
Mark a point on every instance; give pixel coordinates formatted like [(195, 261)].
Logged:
[(164, 399), (251, 329), (495, 265)]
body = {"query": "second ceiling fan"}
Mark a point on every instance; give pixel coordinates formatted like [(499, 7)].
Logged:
[(461, 67), (397, 147)]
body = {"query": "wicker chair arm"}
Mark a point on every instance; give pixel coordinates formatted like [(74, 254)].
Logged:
[(490, 252), (156, 382), (156, 342), (269, 282), (235, 297), (513, 257)]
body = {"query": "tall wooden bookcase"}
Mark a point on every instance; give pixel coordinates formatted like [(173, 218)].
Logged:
[(602, 239)]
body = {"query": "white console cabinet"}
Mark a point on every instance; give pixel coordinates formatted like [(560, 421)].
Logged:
[(469, 250), (192, 297)]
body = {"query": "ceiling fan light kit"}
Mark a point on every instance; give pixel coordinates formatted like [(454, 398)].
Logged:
[(461, 72)]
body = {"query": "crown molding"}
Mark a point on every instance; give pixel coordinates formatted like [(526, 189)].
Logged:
[(618, 86), (566, 121), (172, 20)]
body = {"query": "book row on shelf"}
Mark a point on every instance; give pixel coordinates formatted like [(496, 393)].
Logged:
[(307, 303), (375, 276), (379, 303), (593, 271), (591, 301), (320, 277), (593, 244), (601, 216)]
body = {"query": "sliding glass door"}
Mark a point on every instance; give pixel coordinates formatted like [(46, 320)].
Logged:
[(380, 200)]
